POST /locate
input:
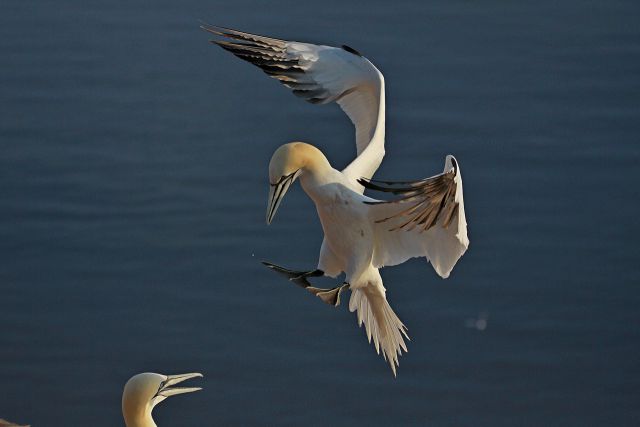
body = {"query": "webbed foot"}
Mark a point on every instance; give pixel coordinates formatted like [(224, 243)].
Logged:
[(297, 277)]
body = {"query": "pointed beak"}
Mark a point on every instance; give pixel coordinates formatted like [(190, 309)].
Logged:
[(166, 390), (277, 192)]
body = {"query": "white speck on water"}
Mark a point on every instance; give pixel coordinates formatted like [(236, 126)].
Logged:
[(479, 323)]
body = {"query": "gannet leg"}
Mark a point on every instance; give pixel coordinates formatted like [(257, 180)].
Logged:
[(329, 296)]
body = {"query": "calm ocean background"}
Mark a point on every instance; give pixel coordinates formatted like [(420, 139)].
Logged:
[(133, 185)]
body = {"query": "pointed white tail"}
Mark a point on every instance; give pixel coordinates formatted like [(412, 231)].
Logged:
[(380, 322)]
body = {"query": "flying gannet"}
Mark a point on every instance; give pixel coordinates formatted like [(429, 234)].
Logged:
[(361, 234), (144, 391)]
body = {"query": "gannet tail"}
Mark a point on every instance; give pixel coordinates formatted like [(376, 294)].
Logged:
[(380, 323)]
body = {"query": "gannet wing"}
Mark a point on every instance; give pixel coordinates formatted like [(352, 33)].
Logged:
[(322, 74), (427, 220)]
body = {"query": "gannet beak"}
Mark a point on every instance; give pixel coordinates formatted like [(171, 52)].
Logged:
[(166, 390), (277, 191)]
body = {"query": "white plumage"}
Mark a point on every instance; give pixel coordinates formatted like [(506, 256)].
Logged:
[(362, 234)]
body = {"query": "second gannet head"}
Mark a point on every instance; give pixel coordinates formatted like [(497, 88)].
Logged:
[(144, 391), (287, 163)]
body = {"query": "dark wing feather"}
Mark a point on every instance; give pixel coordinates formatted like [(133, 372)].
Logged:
[(422, 204), (425, 219), (273, 57), (321, 74)]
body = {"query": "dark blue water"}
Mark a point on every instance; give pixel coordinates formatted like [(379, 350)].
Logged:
[(133, 184)]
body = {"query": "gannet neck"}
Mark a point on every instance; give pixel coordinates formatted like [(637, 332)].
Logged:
[(314, 164), (136, 410), (143, 419), (317, 175)]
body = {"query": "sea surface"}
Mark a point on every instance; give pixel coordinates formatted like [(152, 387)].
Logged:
[(133, 187)]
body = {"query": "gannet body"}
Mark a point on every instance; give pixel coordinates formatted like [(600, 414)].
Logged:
[(361, 234), (144, 391)]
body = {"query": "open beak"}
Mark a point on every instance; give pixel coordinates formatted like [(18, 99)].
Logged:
[(277, 191), (166, 390)]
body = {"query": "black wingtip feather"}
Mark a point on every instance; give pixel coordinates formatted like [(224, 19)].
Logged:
[(351, 50)]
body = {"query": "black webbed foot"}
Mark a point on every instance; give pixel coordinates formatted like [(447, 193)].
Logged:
[(329, 296), (297, 277)]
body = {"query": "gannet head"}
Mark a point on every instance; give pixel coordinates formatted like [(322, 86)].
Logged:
[(287, 163), (144, 391)]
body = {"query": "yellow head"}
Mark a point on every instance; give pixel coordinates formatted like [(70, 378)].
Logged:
[(144, 391), (287, 163)]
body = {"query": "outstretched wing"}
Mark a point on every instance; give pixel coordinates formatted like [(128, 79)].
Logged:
[(320, 75), (427, 220)]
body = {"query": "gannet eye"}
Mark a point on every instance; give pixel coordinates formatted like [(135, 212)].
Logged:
[(283, 178), (160, 387)]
